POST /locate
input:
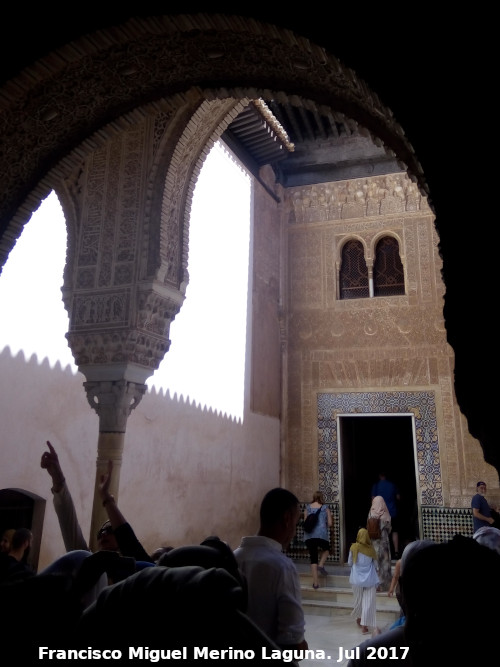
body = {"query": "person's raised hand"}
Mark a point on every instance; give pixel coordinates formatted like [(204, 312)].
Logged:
[(105, 481), (50, 462)]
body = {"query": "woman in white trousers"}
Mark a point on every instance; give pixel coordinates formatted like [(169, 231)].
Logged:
[(364, 580)]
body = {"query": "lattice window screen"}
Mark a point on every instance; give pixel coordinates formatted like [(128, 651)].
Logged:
[(388, 274), (353, 272)]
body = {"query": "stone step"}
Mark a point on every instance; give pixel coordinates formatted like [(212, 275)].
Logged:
[(345, 596), (332, 580), (385, 617), (334, 596), (335, 580)]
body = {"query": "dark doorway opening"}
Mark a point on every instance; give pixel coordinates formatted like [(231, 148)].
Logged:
[(22, 509), (368, 445)]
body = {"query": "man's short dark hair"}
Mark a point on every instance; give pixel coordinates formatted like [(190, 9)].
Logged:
[(275, 504), (21, 536)]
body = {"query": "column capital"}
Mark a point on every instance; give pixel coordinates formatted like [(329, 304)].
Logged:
[(113, 400)]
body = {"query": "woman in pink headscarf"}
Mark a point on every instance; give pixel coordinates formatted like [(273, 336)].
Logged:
[(382, 546)]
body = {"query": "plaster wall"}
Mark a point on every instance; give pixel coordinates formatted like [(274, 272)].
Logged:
[(187, 472)]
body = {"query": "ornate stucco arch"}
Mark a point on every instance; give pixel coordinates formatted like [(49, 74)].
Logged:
[(346, 239), (199, 135), (401, 248), (45, 116), (390, 232)]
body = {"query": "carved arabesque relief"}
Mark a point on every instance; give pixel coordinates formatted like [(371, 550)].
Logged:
[(357, 198), (108, 208)]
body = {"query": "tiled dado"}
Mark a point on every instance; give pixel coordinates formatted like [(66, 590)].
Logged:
[(298, 550), (421, 404), (442, 523), (439, 524)]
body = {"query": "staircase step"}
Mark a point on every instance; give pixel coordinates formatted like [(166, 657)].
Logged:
[(345, 596), (334, 596), (332, 608), (340, 580)]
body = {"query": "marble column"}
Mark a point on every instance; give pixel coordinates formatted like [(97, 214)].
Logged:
[(113, 401)]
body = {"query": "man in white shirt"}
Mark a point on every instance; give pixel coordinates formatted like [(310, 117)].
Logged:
[(274, 598)]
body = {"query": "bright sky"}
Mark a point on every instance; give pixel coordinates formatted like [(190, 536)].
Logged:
[(206, 360)]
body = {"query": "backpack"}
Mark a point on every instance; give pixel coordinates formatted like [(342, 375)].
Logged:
[(373, 528), (311, 521)]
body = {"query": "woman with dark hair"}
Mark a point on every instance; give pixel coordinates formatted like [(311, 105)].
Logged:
[(318, 539)]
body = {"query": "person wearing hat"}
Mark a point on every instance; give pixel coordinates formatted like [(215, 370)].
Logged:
[(481, 510)]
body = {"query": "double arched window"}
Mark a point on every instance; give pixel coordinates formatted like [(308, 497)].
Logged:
[(388, 273)]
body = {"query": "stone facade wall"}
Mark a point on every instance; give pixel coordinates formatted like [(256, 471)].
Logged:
[(379, 355)]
